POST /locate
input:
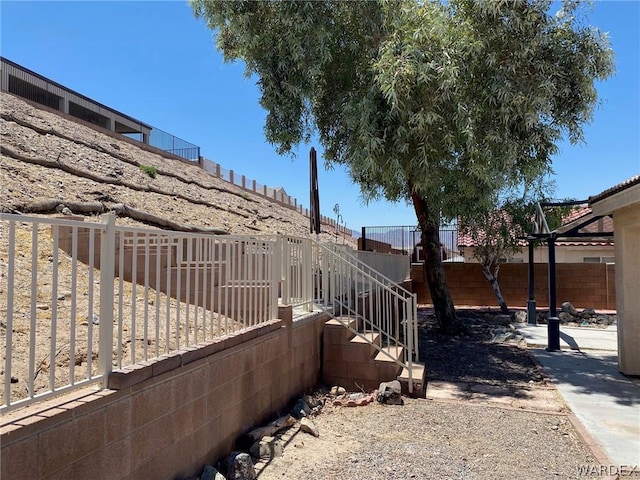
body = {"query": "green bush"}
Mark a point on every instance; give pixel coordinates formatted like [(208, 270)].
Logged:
[(149, 170)]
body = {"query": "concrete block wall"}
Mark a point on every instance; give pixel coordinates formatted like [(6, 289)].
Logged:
[(585, 285), (166, 419)]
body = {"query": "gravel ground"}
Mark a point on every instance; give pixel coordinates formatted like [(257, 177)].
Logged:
[(426, 439), (443, 439)]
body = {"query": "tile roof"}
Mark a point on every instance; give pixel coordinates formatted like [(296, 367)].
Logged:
[(574, 218), (615, 189)]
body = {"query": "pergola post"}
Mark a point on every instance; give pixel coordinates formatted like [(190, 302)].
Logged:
[(531, 303), (553, 322)]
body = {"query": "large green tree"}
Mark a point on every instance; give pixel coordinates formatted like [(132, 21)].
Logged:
[(440, 104)]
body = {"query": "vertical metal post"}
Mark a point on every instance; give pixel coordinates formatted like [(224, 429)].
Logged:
[(276, 276), (531, 303), (553, 322), (107, 277), (364, 239)]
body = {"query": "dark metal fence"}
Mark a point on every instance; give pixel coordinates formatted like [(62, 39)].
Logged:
[(406, 240), (172, 144), (32, 86)]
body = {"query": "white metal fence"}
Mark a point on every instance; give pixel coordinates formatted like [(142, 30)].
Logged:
[(78, 299)]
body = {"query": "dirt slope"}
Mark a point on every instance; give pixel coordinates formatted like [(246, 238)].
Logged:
[(45, 156)]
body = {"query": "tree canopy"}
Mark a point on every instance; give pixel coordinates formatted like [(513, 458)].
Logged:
[(441, 104)]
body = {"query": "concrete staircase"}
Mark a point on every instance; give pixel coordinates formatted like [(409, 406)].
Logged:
[(359, 361)]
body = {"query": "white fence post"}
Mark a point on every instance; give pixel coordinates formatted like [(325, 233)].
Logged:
[(107, 268), (307, 275), (276, 275)]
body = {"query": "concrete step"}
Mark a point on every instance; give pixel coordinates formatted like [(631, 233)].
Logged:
[(356, 361), (419, 380), (390, 354), (336, 331), (385, 361), (370, 338)]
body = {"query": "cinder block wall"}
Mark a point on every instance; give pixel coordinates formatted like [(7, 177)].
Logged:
[(167, 419), (585, 285)]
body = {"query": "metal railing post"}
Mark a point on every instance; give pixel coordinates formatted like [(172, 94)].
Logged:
[(107, 277), (307, 281), (276, 276)]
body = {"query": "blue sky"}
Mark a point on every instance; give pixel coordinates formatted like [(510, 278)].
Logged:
[(154, 61)]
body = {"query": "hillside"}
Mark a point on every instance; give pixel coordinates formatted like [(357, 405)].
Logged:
[(48, 161)]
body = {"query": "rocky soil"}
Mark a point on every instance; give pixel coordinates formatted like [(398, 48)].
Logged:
[(45, 156), (519, 430)]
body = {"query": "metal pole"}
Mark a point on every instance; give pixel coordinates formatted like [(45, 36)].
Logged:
[(553, 322), (107, 276), (364, 239), (531, 303)]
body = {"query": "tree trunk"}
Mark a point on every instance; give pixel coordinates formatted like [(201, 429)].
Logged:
[(429, 223), (493, 281)]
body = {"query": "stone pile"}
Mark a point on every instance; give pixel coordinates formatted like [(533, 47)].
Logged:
[(508, 334), (587, 317), (268, 442)]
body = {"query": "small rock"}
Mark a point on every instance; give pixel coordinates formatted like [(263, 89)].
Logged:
[(210, 473), (14, 379), (268, 448), (519, 316), (588, 312), (312, 402), (43, 306), (390, 393), (364, 401), (241, 467), (336, 390), (95, 319), (567, 307), (300, 409), (565, 317), (306, 425), (66, 211), (64, 295), (356, 396)]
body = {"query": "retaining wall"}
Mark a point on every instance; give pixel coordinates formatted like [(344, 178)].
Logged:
[(585, 285), (166, 419)]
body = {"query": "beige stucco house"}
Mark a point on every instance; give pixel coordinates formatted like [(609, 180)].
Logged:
[(623, 202), (597, 249)]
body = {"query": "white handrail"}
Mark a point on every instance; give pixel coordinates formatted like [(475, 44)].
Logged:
[(376, 305)]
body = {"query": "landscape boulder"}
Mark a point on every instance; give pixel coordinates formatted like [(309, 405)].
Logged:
[(267, 448), (519, 316), (567, 307), (210, 473), (390, 393), (241, 467), (306, 425)]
